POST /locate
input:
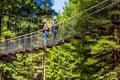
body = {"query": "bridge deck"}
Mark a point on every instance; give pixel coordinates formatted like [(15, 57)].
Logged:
[(11, 57)]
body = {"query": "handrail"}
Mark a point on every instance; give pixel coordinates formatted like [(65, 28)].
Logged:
[(59, 22)]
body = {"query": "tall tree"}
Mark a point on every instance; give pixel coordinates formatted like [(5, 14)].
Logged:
[(17, 16), (24, 16)]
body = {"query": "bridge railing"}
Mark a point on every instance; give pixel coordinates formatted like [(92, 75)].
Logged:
[(69, 28)]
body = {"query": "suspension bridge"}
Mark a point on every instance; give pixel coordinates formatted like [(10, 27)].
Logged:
[(73, 28)]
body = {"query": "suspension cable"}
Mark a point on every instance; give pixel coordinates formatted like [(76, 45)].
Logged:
[(66, 19), (24, 37), (62, 21), (18, 16), (84, 11), (110, 5)]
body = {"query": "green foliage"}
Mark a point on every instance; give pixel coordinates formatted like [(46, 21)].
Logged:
[(104, 45), (26, 67), (15, 22), (89, 58), (58, 64), (108, 76)]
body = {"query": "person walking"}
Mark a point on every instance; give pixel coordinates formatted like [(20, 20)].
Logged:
[(45, 33), (54, 30)]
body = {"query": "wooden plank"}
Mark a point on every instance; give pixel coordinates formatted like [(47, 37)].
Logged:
[(60, 42), (9, 57), (69, 39), (95, 30), (50, 45)]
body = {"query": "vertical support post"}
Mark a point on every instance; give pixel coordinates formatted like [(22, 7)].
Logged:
[(13, 48), (44, 63), (116, 34), (19, 45), (3, 47), (32, 66), (38, 39), (30, 47), (0, 24), (0, 18), (24, 44), (116, 51), (2, 74)]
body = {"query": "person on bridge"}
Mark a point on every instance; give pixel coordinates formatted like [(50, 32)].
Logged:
[(45, 33), (54, 30)]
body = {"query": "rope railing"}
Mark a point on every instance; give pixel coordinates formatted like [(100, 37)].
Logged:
[(8, 14), (84, 11), (108, 6), (61, 21), (64, 20), (34, 40)]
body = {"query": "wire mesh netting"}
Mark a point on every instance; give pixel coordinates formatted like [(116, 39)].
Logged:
[(71, 27)]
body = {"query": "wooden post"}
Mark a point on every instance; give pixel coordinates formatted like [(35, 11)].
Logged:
[(116, 37), (0, 19), (44, 63), (1, 74), (116, 34), (1, 29)]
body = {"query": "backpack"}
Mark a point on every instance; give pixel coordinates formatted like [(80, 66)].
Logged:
[(55, 27)]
